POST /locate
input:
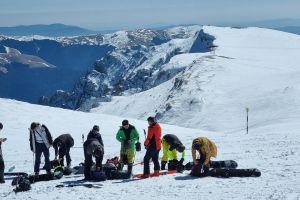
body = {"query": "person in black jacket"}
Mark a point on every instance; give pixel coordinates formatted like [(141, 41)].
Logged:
[(94, 133), (62, 145), (92, 147), (2, 166), (40, 142)]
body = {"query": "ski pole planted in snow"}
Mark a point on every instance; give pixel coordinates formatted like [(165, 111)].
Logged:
[(144, 133), (247, 110)]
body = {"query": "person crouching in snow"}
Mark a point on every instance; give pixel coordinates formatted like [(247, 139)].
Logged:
[(92, 147), (153, 146), (2, 166), (62, 145), (206, 149), (40, 142), (128, 136), (171, 144)]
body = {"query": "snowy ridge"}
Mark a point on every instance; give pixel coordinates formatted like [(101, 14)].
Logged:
[(134, 65), (253, 67)]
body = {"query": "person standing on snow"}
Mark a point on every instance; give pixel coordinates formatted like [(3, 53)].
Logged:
[(62, 145), (206, 149), (128, 136), (2, 166), (171, 144), (40, 142), (153, 146)]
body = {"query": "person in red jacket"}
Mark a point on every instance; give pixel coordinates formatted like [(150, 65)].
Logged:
[(153, 146)]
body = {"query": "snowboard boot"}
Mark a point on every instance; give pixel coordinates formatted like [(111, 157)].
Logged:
[(49, 175), (145, 176), (2, 176), (36, 175), (156, 173), (129, 169), (163, 165), (120, 167)]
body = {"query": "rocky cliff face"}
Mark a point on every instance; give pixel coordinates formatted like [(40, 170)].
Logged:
[(138, 62)]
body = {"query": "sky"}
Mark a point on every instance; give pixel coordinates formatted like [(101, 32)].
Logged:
[(126, 14)]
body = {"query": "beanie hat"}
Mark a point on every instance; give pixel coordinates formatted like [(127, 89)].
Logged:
[(125, 122), (151, 119), (1, 126), (96, 128)]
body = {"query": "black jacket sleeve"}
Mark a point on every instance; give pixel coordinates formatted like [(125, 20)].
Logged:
[(55, 146), (49, 137), (30, 140), (100, 139)]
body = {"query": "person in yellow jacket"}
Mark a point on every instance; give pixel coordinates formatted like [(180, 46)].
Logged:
[(206, 148)]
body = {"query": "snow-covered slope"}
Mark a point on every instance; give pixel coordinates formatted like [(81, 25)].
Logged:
[(135, 64), (272, 147), (252, 67)]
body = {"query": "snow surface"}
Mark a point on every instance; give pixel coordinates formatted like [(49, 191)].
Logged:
[(252, 67), (272, 147)]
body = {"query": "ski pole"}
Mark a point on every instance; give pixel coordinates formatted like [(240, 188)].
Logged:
[(82, 138), (247, 110), (144, 133)]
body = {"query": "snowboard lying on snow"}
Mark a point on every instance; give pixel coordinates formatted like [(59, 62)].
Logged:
[(87, 185), (223, 164), (41, 177), (139, 176), (215, 164), (226, 173)]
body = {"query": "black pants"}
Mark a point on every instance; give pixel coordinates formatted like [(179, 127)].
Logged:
[(88, 162), (64, 152), (1, 168), (151, 153), (39, 149)]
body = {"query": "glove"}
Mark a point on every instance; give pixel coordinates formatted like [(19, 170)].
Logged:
[(163, 165), (181, 161), (175, 162), (127, 144)]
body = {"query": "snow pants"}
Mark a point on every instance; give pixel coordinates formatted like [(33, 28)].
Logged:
[(151, 154), (62, 152), (1, 168), (39, 149)]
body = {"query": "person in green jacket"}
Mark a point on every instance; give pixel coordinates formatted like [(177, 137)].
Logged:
[(128, 136)]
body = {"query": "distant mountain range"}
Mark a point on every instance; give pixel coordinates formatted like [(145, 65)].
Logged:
[(51, 30), (56, 30)]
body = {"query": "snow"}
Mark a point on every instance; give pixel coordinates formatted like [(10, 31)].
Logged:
[(12, 51), (271, 147), (252, 67)]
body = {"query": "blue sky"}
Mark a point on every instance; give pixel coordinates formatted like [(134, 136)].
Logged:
[(124, 14)]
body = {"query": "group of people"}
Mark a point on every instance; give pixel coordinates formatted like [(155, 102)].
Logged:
[(41, 141)]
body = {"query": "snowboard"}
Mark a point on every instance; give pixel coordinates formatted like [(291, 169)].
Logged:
[(226, 173), (224, 164), (88, 185), (139, 176), (45, 177), (15, 174), (215, 164)]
